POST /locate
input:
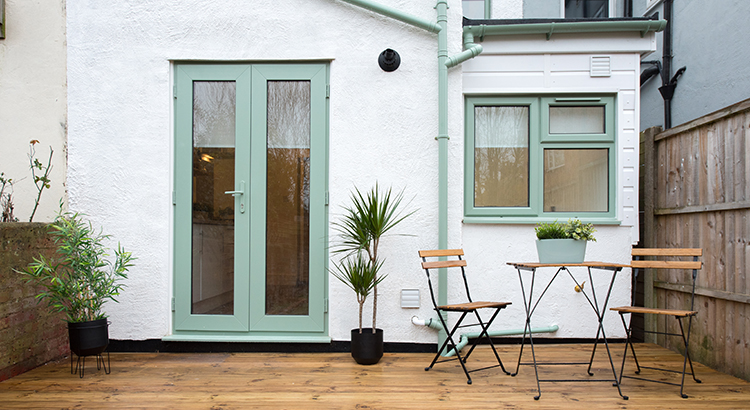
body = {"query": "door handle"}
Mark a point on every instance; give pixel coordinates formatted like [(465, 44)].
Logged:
[(241, 193)]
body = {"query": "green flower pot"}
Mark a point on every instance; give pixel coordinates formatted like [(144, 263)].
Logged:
[(560, 250)]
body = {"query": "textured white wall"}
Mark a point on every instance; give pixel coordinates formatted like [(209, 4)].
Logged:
[(382, 128), (556, 66), (32, 101)]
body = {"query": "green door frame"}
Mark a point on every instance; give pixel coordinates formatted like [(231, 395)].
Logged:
[(249, 322)]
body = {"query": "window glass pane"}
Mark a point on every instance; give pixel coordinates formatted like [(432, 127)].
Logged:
[(288, 198), (473, 9), (576, 120), (501, 156), (586, 8), (213, 211), (576, 180)]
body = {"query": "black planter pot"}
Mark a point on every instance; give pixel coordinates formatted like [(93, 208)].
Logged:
[(367, 347), (88, 338)]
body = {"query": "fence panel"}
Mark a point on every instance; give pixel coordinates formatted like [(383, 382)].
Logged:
[(696, 193)]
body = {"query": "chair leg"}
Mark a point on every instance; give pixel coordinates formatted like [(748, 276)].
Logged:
[(485, 333), (628, 342), (482, 333), (687, 359), (453, 344), (442, 347)]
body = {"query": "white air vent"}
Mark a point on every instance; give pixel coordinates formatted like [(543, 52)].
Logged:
[(600, 66), (409, 298)]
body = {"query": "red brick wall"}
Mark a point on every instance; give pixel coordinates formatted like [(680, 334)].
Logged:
[(30, 335)]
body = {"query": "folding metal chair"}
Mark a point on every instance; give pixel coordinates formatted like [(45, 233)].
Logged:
[(678, 314), (464, 308)]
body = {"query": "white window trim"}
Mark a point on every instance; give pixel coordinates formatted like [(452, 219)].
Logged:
[(651, 5)]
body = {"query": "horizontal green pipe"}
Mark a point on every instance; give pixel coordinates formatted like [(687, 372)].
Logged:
[(396, 14), (642, 26), (470, 52), (466, 336)]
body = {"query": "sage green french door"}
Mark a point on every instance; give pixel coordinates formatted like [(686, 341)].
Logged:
[(250, 201)]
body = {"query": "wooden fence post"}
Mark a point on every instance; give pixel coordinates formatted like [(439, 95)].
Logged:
[(648, 167)]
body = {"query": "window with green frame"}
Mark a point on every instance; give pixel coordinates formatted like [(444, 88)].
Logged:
[(531, 158)]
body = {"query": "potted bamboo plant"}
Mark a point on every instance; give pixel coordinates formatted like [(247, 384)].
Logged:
[(559, 242), (365, 221), (79, 279)]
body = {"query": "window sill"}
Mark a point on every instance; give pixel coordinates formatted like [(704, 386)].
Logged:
[(534, 220)]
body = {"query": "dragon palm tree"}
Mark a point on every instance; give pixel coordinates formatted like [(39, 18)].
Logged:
[(364, 223)]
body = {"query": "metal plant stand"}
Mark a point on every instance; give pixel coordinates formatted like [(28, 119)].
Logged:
[(81, 363)]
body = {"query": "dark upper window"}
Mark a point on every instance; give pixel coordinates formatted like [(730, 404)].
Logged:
[(586, 9)]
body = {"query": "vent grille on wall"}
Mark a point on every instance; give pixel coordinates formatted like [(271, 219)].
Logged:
[(600, 66)]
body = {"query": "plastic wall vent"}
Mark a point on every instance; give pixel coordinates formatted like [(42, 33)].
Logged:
[(410, 298), (600, 66)]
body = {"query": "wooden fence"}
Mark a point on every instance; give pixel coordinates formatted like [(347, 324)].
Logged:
[(695, 192)]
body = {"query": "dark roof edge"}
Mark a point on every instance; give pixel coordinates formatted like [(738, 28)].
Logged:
[(505, 22)]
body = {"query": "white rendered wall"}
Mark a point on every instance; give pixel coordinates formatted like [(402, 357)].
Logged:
[(382, 127), (32, 101), (512, 65)]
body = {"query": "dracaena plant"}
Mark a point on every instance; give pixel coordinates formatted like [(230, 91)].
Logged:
[(360, 275), (370, 216), (80, 277)]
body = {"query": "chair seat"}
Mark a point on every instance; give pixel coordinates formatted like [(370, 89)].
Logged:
[(470, 306), (667, 312)]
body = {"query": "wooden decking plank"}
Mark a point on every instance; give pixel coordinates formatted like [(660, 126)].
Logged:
[(334, 381)]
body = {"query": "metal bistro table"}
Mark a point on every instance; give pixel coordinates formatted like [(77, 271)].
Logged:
[(589, 292)]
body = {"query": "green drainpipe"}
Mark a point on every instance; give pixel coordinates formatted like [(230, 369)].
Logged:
[(466, 336), (442, 138), (441, 29), (471, 50), (444, 62), (644, 26), (464, 339), (396, 14)]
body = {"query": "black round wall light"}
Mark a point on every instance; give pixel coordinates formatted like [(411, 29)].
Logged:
[(389, 60)]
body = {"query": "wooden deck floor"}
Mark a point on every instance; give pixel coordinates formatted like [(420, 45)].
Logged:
[(334, 381)]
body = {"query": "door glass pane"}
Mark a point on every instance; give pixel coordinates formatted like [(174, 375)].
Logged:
[(576, 180), (501, 156), (576, 120), (213, 210), (288, 198)]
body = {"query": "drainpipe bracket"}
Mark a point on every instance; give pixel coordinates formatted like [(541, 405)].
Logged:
[(442, 136)]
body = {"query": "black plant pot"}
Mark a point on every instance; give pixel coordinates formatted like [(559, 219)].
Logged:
[(367, 347), (88, 338)]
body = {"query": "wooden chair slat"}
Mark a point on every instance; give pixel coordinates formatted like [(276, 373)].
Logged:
[(443, 264), (654, 311), (666, 264), (667, 252), (471, 306), (441, 252)]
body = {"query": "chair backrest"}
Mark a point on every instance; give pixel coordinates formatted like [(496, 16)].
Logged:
[(458, 262), (670, 258)]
